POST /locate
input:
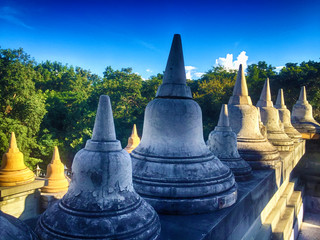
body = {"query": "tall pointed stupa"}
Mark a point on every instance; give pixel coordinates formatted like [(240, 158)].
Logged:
[(285, 117), (223, 143), (13, 171), (270, 118), (244, 121), (133, 140), (173, 169), (101, 202), (57, 181), (302, 116)]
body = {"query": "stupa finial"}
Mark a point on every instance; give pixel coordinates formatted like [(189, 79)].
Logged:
[(265, 97), (103, 130), (133, 140), (240, 91), (174, 78), (13, 142), (55, 155), (224, 119), (280, 100), (303, 94)]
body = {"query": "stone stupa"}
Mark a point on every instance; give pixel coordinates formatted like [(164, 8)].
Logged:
[(13, 171), (302, 116), (133, 140), (223, 143), (270, 118), (244, 121), (173, 169), (101, 202), (285, 117), (57, 181)]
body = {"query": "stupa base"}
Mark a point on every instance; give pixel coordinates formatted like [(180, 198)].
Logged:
[(136, 222), (187, 206), (239, 167), (15, 178)]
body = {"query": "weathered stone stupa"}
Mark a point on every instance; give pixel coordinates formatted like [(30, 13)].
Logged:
[(133, 140), (173, 169), (57, 181), (302, 117), (223, 143), (13, 171), (244, 121), (101, 202), (270, 118), (285, 117)]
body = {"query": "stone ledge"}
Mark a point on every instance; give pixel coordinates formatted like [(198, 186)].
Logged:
[(8, 191)]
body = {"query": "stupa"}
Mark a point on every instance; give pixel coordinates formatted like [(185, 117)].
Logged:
[(173, 169), (244, 121), (13, 171), (285, 117), (223, 143), (270, 118), (133, 140), (57, 181), (101, 202), (302, 116)]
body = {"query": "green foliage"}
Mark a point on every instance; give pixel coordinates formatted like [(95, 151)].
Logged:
[(214, 89), (51, 104)]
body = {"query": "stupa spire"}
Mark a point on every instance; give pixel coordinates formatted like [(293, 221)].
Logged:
[(104, 134), (55, 155), (13, 143), (174, 78), (224, 119), (133, 140), (280, 100), (103, 129), (265, 97), (303, 95), (240, 91)]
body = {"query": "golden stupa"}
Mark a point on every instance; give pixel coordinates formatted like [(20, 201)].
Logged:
[(133, 140), (13, 171), (57, 181)]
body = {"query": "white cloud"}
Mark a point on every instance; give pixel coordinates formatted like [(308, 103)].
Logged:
[(278, 69), (229, 64), (189, 70), (148, 70), (191, 73), (198, 74), (11, 15)]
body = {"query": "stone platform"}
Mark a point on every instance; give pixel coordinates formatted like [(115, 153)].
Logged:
[(246, 218)]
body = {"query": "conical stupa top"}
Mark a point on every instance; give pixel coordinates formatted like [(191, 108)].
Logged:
[(104, 134), (224, 119), (13, 143), (303, 95), (134, 130), (103, 130), (265, 97), (174, 78), (240, 88), (280, 100), (240, 93), (56, 155)]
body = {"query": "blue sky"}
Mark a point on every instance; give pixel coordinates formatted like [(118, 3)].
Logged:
[(138, 34)]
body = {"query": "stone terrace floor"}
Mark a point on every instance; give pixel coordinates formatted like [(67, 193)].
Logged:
[(310, 229)]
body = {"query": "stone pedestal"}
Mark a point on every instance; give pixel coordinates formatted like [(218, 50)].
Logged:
[(22, 201)]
